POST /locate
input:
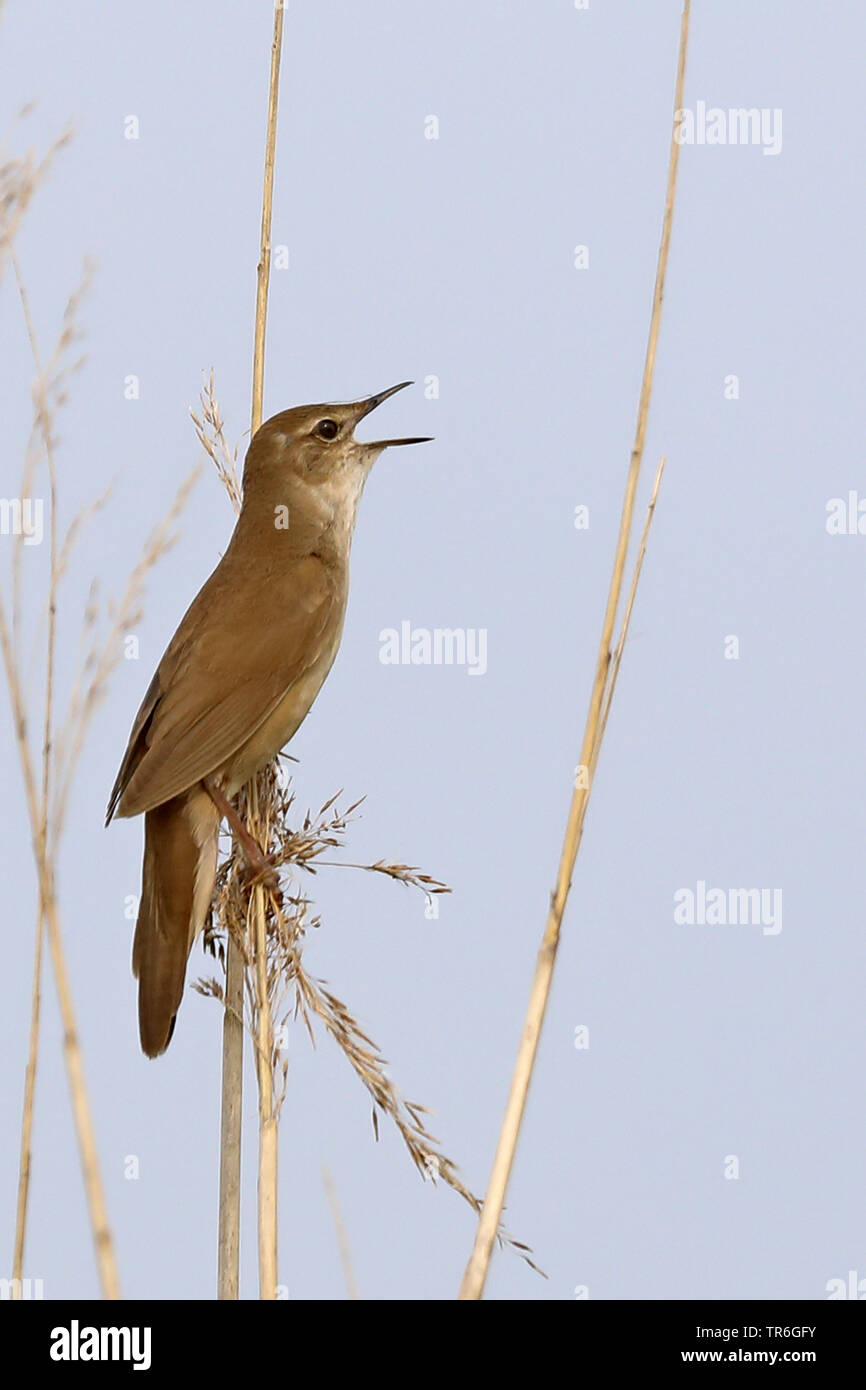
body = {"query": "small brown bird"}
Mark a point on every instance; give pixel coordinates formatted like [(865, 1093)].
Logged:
[(239, 677)]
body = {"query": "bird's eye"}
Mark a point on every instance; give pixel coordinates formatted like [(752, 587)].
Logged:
[(327, 429)]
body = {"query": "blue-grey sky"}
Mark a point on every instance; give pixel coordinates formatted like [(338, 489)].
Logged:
[(708, 1142)]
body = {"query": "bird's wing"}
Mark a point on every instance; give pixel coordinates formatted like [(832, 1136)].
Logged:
[(136, 747), (225, 670)]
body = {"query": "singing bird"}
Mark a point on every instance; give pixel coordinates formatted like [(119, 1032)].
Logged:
[(239, 677)]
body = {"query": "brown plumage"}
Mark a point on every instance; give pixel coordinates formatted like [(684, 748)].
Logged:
[(239, 677)]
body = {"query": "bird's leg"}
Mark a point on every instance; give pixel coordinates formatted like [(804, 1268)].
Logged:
[(260, 863)]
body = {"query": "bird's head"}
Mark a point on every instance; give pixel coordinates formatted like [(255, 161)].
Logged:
[(317, 442)]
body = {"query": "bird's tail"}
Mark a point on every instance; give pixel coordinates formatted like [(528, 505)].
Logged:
[(180, 854)]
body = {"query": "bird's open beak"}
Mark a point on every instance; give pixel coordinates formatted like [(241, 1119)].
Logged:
[(364, 408)]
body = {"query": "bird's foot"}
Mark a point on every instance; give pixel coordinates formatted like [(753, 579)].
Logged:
[(261, 867)]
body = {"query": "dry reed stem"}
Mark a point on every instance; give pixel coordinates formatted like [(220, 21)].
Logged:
[(267, 1177), (264, 267), (472, 1286), (268, 1134), (626, 620), (210, 428), (211, 433), (227, 1277), (231, 1115)]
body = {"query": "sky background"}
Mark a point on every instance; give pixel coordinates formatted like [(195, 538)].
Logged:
[(454, 258)]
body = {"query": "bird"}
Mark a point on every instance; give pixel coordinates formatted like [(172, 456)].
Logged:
[(239, 677)]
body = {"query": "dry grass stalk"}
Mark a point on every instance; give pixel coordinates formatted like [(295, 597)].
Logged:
[(257, 819), (210, 429), (626, 619), (295, 994), (259, 812), (230, 1129), (472, 1286), (48, 763)]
